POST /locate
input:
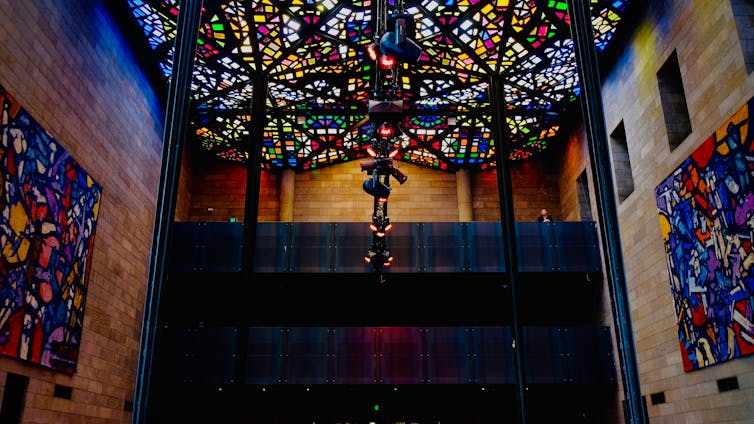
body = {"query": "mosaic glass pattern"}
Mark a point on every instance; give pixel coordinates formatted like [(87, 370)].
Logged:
[(313, 55)]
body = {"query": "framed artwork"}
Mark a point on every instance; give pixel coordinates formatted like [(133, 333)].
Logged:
[(48, 216), (706, 212)]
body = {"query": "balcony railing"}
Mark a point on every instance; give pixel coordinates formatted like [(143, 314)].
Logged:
[(385, 355), (417, 247)]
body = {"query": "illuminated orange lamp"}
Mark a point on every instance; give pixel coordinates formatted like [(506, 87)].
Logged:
[(387, 62), (386, 130), (372, 51)]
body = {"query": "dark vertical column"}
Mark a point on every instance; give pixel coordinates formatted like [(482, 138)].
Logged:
[(251, 208), (176, 118), (505, 193), (254, 172), (596, 133)]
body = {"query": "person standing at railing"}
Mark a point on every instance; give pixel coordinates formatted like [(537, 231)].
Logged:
[(544, 216)]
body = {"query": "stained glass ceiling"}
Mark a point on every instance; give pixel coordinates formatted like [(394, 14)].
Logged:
[(313, 56)]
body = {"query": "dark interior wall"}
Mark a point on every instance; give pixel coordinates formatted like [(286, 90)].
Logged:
[(215, 190), (185, 182), (66, 63), (534, 185)]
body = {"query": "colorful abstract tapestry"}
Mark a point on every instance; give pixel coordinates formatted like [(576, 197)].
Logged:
[(48, 214), (706, 209)]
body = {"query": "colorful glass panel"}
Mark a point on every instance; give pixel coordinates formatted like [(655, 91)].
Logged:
[(313, 55)]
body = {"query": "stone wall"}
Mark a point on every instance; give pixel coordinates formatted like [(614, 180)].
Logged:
[(716, 84), (335, 194), (217, 191), (66, 64)]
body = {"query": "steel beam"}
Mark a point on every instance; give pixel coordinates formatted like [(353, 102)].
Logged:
[(176, 120), (599, 155)]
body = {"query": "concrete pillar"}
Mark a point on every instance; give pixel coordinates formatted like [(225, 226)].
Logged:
[(465, 202), (287, 193)]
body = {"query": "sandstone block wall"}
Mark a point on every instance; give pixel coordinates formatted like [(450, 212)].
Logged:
[(69, 67), (716, 84), (335, 194)]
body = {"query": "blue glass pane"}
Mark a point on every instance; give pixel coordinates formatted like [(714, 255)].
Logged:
[(311, 247), (492, 355), (307, 355), (352, 241), (543, 350), (400, 358), (448, 355), (215, 351), (184, 249), (271, 247), (535, 246), (355, 355), (403, 242), (174, 357), (443, 244), (589, 351), (576, 246), (264, 355), (485, 247), (222, 247)]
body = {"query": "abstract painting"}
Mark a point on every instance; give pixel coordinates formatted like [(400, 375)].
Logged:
[(48, 215), (706, 209)]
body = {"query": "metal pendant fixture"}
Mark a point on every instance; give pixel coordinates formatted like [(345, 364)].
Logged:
[(394, 32)]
